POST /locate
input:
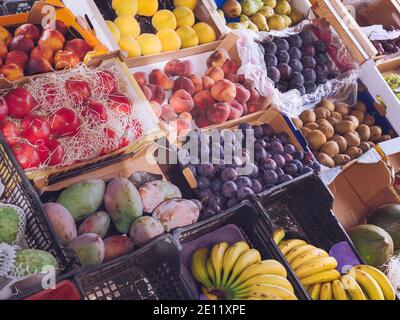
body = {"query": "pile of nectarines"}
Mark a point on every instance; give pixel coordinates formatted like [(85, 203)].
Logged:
[(220, 95), (33, 51)]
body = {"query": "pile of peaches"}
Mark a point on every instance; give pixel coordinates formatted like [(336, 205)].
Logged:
[(33, 51), (220, 95)]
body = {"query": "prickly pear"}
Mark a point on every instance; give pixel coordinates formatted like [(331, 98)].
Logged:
[(9, 224), (98, 223), (30, 261), (62, 222), (117, 246), (89, 247), (144, 229)]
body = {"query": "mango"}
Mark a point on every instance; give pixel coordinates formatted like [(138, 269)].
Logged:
[(147, 8), (131, 46), (117, 246), (9, 224), (191, 4), (149, 44), (184, 17), (164, 19), (169, 39), (128, 26), (188, 37), (205, 32), (98, 223), (144, 229), (31, 261), (89, 248), (114, 30), (129, 7), (122, 201), (83, 198), (61, 221)]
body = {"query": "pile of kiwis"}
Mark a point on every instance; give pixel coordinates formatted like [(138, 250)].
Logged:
[(339, 133)]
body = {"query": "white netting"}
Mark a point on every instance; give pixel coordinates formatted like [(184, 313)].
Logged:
[(22, 221), (7, 258), (393, 271), (126, 122), (343, 88)]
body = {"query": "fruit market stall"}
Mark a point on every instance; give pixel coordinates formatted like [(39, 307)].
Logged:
[(202, 150)]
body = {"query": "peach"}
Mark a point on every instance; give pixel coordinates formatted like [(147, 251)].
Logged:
[(168, 113), (208, 83), (28, 30), (254, 107), (254, 96), (157, 93), (52, 38), (185, 116), (203, 100), (230, 67), (159, 78), (38, 65), (202, 121), (181, 101), (183, 126), (141, 78), (197, 82), (232, 77), (17, 57), (65, 59), (236, 110), (185, 84), (156, 108), (215, 73), (242, 94), (147, 92), (3, 50), (43, 51), (218, 112), (11, 71), (224, 91), (57, 25), (23, 44), (5, 36), (249, 84), (217, 59), (177, 68), (78, 46)]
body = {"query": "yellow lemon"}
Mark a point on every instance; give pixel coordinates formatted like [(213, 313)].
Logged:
[(169, 39), (130, 45), (205, 32)]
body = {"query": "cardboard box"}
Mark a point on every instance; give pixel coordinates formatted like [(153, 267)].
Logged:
[(39, 11), (363, 187), (348, 18), (205, 12)]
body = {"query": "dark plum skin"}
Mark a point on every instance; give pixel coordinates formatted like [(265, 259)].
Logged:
[(299, 88), (258, 132), (245, 193), (322, 58), (297, 79), (285, 178), (309, 75), (296, 65), (271, 60), (289, 148), (310, 87), (216, 185), (279, 160), (282, 44), (270, 177), (267, 130), (295, 53), (270, 48), (229, 189), (320, 46), (203, 183), (256, 186), (276, 148), (283, 56), (308, 51), (243, 182), (274, 74), (269, 164), (309, 62), (308, 37), (282, 86), (260, 155), (295, 41), (205, 195), (206, 170), (232, 202), (229, 174), (285, 71)]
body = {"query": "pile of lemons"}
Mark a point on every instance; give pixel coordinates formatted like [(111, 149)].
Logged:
[(175, 29)]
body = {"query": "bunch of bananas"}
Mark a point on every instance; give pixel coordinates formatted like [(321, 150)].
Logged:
[(317, 272), (362, 282), (237, 272)]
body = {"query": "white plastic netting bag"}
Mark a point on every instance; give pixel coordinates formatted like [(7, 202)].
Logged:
[(393, 271), (7, 259)]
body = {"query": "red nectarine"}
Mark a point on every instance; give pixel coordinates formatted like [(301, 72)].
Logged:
[(52, 38)]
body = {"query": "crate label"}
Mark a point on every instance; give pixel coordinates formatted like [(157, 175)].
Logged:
[(344, 255)]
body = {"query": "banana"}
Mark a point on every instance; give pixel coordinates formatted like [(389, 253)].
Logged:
[(326, 291), (263, 267), (246, 259), (288, 245), (339, 293), (278, 236), (368, 284), (382, 280), (307, 256), (324, 276), (211, 271), (259, 290), (265, 279), (199, 267), (298, 251), (230, 258), (316, 265), (217, 257), (314, 291), (352, 288), (209, 295)]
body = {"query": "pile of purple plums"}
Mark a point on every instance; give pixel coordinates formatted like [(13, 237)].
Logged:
[(298, 62), (276, 160)]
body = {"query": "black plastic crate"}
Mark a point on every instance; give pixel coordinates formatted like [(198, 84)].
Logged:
[(303, 208), (254, 228), (150, 273), (19, 192)]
